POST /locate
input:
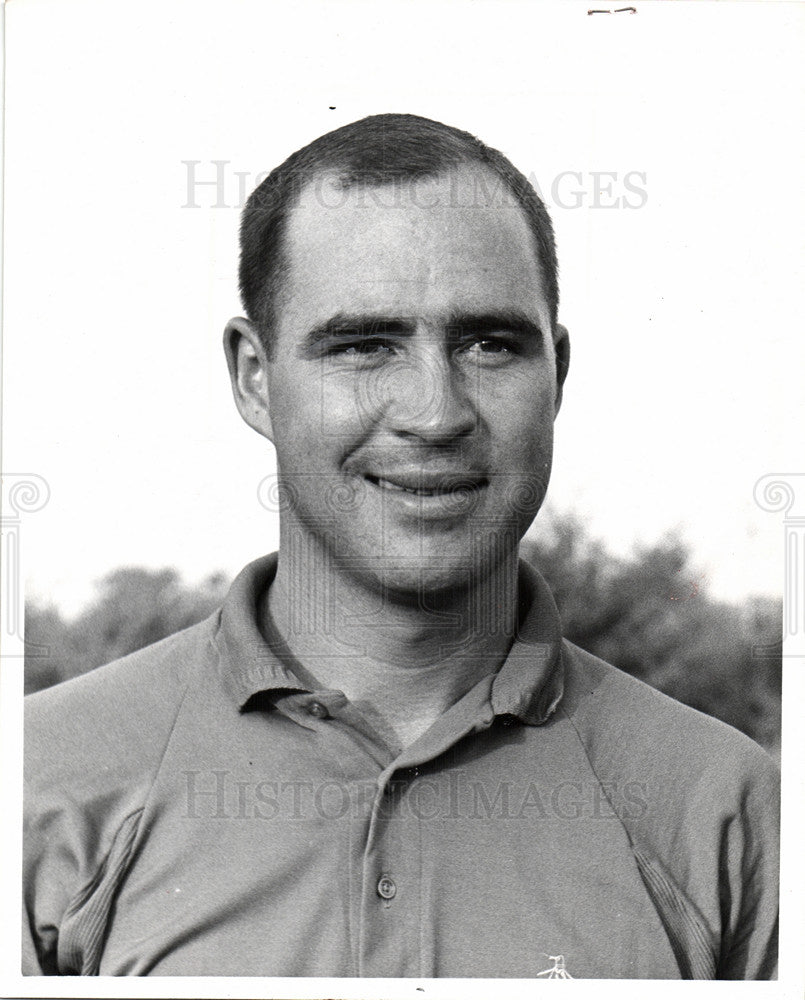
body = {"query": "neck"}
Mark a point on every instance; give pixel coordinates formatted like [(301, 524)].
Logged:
[(403, 657)]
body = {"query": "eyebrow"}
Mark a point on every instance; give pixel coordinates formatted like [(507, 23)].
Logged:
[(477, 324), (457, 324), (368, 325)]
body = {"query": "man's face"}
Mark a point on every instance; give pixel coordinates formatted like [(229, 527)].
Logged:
[(412, 386)]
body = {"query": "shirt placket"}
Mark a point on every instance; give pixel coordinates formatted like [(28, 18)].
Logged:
[(393, 938), (382, 866), (391, 884), (389, 934)]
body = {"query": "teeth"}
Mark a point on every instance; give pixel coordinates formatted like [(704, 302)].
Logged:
[(429, 491), (386, 485)]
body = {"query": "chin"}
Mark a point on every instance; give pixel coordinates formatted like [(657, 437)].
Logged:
[(413, 586), (413, 580)]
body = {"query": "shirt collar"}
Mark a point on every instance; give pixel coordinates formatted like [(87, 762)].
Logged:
[(249, 664), (528, 686), (530, 683)]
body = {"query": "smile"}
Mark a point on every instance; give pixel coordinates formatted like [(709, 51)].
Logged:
[(429, 485)]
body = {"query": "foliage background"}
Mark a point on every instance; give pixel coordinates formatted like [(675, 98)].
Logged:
[(648, 613)]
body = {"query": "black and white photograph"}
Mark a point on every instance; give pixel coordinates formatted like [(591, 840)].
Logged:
[(403, 498)]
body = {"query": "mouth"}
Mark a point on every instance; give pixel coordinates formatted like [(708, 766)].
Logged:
[(427, 485)]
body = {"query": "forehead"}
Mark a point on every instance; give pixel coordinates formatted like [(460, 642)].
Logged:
[(456, 242)]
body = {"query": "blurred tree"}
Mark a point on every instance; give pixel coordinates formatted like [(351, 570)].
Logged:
[(134, 608), (649, 614), (45, 627)]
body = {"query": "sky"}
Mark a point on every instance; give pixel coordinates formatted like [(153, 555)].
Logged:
[(663, 143)]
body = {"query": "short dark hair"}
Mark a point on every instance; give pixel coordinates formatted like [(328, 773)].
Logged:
[(375, 151)]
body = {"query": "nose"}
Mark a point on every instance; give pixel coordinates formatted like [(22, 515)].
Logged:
[(427, 396)]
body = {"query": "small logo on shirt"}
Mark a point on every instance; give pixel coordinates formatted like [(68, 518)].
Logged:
[(557, 970)]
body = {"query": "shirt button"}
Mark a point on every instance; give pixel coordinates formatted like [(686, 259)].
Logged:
[(386, 887), (316, 709)]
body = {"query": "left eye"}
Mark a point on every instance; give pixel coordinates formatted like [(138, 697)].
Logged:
[(489, 346)]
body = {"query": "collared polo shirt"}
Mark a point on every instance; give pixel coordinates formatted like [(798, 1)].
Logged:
[(196, 809)]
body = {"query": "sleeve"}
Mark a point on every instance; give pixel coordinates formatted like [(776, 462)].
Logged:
[(45, 877), (67, 903), (750, 866), (31, 963), (51, 862), (93, 746), (91, 753)]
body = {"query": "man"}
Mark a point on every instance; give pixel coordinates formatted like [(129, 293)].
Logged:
[(380, 758)]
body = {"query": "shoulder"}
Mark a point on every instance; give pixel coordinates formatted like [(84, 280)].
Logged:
[(691, 779), (93, 749), (622, 720), (113, 721), (699, 802)]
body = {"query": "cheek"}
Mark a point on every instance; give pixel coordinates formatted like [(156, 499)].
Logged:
[(523, 449), (296, 422), (315, 421), (350, 403), (296, 400), (521, 411)]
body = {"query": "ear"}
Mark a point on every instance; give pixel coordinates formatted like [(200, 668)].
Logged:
[(561, 343), (248, 373)]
